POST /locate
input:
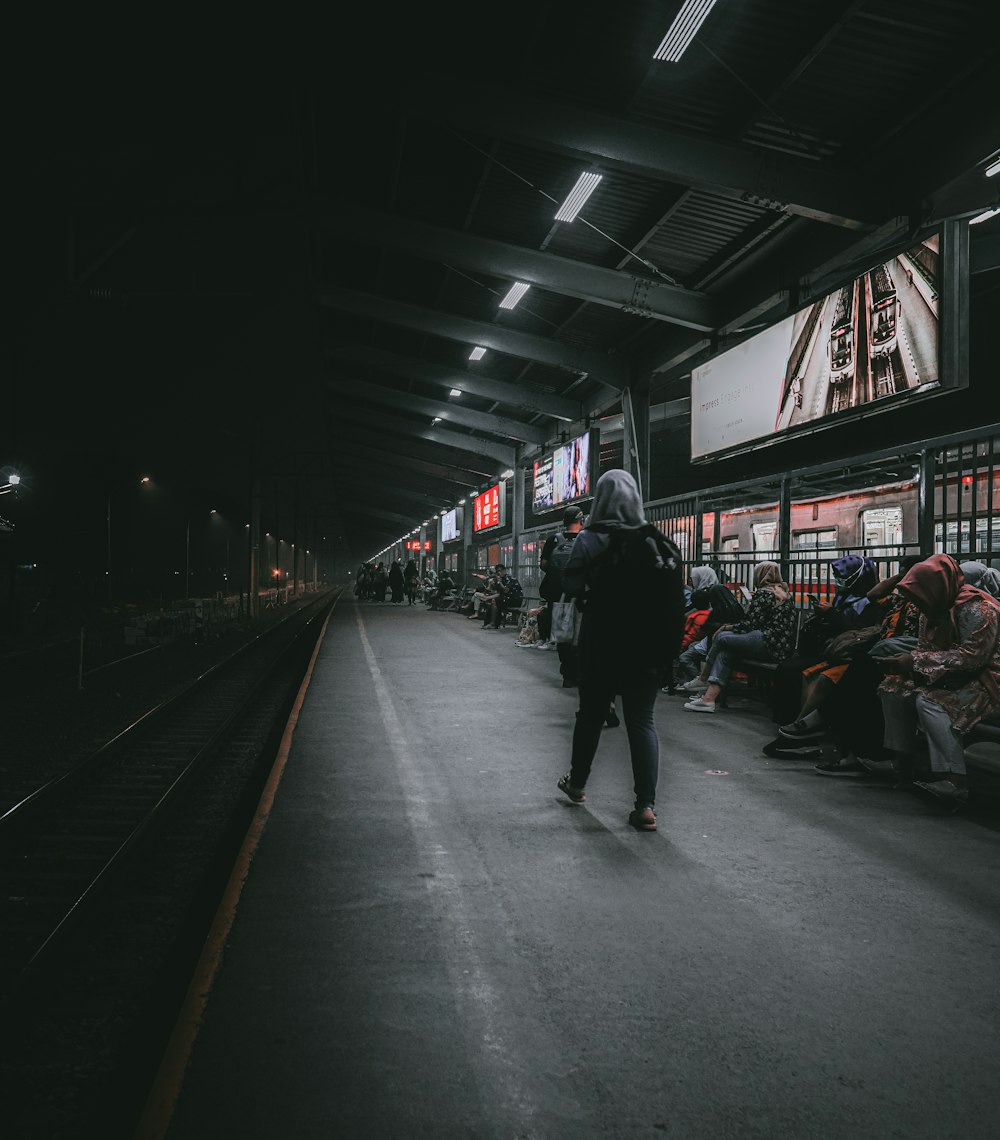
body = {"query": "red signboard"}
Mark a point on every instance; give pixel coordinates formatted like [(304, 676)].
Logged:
[(488, 509)]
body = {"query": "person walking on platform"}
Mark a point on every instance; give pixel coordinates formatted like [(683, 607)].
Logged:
[(380, 583), (411, 582), (627, 580), (555, 554), (396, 583)]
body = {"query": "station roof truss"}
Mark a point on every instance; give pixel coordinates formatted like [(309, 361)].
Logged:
[(406, 198)]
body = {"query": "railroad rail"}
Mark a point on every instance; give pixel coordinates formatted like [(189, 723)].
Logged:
[(62, 846)]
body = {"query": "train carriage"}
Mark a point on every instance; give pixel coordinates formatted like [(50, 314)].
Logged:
[(842, 331), (882, 311)]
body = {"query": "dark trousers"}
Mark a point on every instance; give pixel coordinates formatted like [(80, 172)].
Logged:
[(569, 661), (638, 698), (545, 623)]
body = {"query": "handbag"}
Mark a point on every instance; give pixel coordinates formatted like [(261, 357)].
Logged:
[(565, 622), (852, 642)]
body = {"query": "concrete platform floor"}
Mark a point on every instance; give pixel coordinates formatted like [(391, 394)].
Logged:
[(434, 942)]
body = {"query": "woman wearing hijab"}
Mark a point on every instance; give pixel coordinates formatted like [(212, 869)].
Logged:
[(951, 680), (723, 609), (851, 609), (981, 576), (767, 633), (396, 583), (627, 581)]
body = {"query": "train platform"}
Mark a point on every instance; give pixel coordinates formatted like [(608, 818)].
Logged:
[(432, 941)]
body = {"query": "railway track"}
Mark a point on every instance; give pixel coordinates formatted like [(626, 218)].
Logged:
[(63, 846)]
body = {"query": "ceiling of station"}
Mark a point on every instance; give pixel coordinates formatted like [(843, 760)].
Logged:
[(380, 219)]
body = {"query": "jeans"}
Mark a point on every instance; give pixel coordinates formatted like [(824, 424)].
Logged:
[(689, 662), (904, 712), (638, 697), (729, 647)]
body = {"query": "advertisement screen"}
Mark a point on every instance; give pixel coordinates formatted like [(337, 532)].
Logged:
[(563, 476), (488, 509), (875, 338), (449, 526), (543, 490)]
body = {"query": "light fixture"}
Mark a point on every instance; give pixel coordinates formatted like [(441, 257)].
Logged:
[(435, 420), (454, 392), (586, 184), (993, 168), (477, 353), (461, 502), (984, 216), (683, 30), (514, 294), (508, 474)]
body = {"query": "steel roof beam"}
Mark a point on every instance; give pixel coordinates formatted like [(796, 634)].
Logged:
[(389, 492), (467, 470), (644, 296), (444, 480), (501, 455), (606, 369), (752, 174), (544, 403), (467, 417)]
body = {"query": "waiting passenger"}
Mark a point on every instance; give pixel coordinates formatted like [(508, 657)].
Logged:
[(767, 633), (951, 680), (725, 610), (851, 610), (695, 621), (981, 576), (380, 583), (396, 582), (627, 579), (411, 582), (507, 595)]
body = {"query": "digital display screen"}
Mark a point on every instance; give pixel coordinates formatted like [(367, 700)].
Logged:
[(488, 509), (449, 525), (876, 337), (563, 476)]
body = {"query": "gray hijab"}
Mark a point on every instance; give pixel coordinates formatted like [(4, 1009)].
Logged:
[(702, 577), (981, 576), (617, 505)]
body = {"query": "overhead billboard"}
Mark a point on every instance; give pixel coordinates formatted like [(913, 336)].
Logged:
[(489, 509), (565, 475), (872, 343), (451, 525)]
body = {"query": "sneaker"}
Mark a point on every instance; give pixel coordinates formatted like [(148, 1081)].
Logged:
[(944, 790), (643, 819), (611, 720), (548, 645), (540, 645), (695, 686), (839, 768), (698, 705), (577, 795), (799, 730)]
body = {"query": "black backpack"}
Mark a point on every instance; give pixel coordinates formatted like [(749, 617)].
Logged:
[(551, 588), (636, 607)]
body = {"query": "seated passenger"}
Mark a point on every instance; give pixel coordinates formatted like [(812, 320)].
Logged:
[(443, 591), (981, 576), (724, 610), (951, 680), (506, 596), (851, 609), (767, 633), (694, 624), (849, 709)]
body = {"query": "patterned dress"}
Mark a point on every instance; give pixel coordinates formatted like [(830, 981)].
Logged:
[(776, 620), (964, 678)]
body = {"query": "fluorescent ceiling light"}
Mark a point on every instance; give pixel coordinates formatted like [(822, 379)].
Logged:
[(586, 184), (683, 30), (436, 420), (985, 216), (514, 294), (477, 353), (454, 392), (508, 474), (993, 168)]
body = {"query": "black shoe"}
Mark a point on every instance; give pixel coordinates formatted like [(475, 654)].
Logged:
[(611, 720), (839, 768)]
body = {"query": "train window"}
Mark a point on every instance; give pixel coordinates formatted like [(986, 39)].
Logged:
[(731, 545), (803, 540), (986, 541), (882, 527), (765, 536)]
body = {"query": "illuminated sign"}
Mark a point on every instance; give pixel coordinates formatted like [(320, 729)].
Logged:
[(488, 509)]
